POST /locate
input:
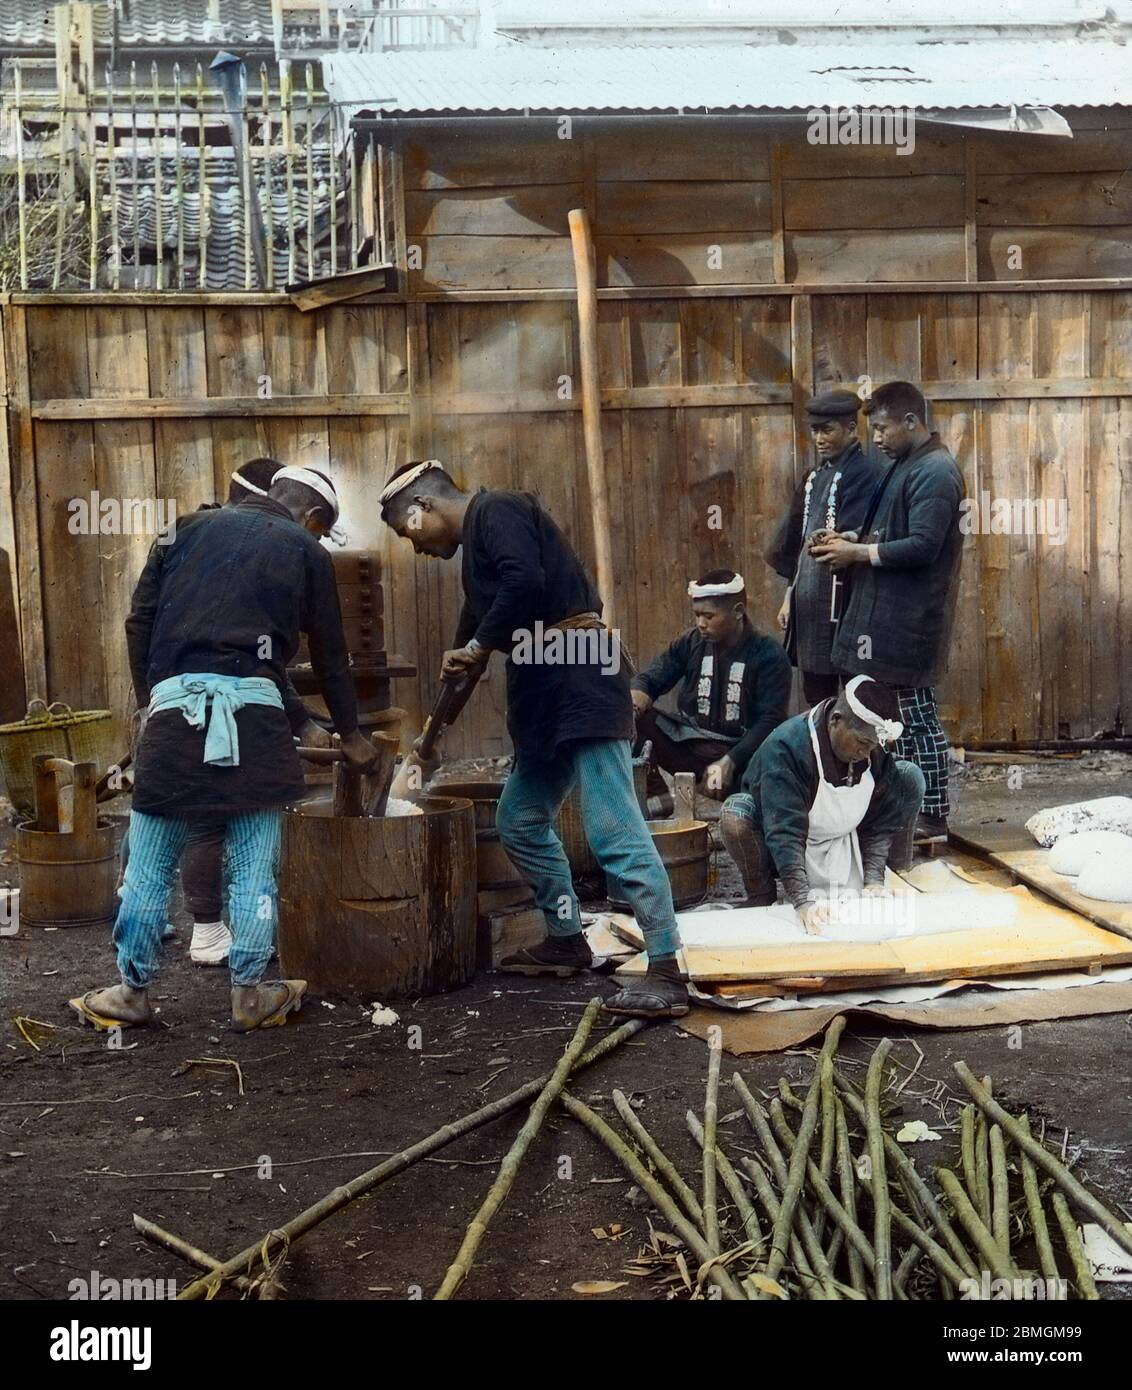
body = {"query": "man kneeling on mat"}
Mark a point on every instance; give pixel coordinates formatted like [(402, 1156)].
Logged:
[(209, 650), (823, 803), (568, 713)]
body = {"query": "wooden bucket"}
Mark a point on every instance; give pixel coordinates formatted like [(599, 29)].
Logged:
[(685, 851), (68, 865), (379, 908), (494, 869)]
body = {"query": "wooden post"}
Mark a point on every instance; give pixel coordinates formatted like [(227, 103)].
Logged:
[(179, 177), (311, 265), (112, 168), (287, 117), (158, 210), (683, 797), (970, 212), (581, 240)]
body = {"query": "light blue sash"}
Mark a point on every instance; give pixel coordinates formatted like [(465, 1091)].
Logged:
[(191, 693)]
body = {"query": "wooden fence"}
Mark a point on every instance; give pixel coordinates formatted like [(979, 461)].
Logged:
[(162, 396)]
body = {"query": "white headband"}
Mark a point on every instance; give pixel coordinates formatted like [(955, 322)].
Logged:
[(309, 478), (888, 730), (402, 480), (733, 586), (238, 477)]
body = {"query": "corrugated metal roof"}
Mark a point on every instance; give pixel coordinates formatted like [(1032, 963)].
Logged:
[(945, 76)]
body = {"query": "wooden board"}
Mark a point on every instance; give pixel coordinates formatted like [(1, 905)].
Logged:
[(1012, 849)]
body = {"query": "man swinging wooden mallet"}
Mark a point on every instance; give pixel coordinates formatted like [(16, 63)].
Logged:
[(568, 712)]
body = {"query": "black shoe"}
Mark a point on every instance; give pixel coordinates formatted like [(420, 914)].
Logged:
[(930, 828), (561, 956)]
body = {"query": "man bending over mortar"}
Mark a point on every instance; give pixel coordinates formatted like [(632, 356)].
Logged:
[(209, 647), (571, 720)]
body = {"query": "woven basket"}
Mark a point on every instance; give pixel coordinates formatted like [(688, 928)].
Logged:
[(80, 736)]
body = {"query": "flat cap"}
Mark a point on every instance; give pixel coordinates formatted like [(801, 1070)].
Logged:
[(833, 405)]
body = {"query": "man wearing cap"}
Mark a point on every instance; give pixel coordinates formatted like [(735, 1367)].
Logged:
[(833, 497), (823, 804), (901, 577), (571, 721), (209, 648), (734, 688), (202, 866)]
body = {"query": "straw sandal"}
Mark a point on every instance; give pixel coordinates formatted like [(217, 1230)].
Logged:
[(273, 1007), (101, 1017), (651, 997)]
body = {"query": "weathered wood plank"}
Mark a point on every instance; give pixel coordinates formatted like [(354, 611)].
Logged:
[(903, 254), (526, 210), (661, 207), (125, 469), (175, 343), (686, 258), (913, 200), (1053, 253), (1097, 198), (526, 154)]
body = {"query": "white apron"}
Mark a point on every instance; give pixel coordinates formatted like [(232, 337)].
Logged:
[(833, 853)]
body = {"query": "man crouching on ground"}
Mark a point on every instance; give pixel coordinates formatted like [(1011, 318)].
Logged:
[(571, 721), (209, 648)]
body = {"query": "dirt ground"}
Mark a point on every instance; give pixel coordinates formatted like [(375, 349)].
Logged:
[(91, 1134)]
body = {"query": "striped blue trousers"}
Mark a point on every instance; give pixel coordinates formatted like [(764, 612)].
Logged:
[(251, 846), (616, 831)]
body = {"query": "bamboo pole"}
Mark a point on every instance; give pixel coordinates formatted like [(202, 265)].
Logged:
[(846, 1224), (158, 209), (202, 179), (748, 1216), (935, 1252), (711, 1118), (135, 175), (874, 1137), (1000, 1191), (112, 172), (967, 1149), (21, 175), (1038, 1224), (847, 1179), (310, 172), (815, 1256), (581, 240), (333, 188), (287, 117), (189, 1253), (660, 1160), (1078, 1260), (828, 1139), (179, 176), (92, 180), (1079, 1195), (811, 1285), (689, 1234), (981, 1197), (461, 1266), (334, 1201), (268, 227), (969, 1219), (903, 1164)]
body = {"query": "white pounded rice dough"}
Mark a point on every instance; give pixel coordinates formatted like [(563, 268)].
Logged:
[(1068, 856), (1107, 877)]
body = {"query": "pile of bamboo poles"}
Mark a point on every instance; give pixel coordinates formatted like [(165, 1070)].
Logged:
[(830, 1206)]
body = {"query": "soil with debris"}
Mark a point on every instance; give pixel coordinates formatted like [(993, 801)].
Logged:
[(92, 1134)]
